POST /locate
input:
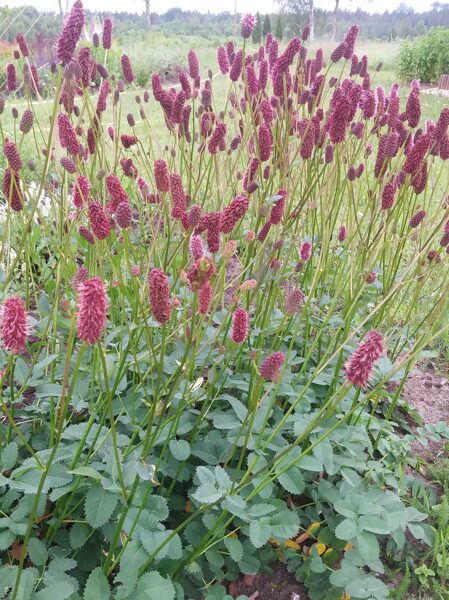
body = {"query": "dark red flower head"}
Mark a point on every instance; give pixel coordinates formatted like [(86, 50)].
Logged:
[(71, 33), (271, 366), (360, 365), (127, 69), (247, 25), (159, 292), (92, 306), (13, 325), (107, 34)]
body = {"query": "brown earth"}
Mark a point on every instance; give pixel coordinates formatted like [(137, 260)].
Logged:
[(282, 585), (428, 394)]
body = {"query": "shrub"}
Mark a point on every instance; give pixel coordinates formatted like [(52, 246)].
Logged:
[(425, 58), (199, 319)]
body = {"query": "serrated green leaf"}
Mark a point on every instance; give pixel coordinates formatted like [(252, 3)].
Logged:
[(78, 535), (310, 463), (207, 494), (157, 507), (234, 547), (9, 456), (347, 529), (151, 540), (60, 590), (374, 524), (45, 362), (250, 565), (236, 505), (368, 587), (86, 471), (99, 506), (175, 547), (97, 586), (61, 563), (37, 551), (223, 479), (205, 475), (6, 539), (292, 480), (133, 557), (260, 510), (368, 546), (259, 533), (422, 532), (152, 586), (26, 585), (284, 524), (180, 449), (8, 575)]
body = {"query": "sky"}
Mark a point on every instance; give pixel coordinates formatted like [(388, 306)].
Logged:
[(243, 6)]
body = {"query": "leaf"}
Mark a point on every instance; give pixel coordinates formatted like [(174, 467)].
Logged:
[(6, 539), (158, 507), (260, 510), (374, 524), (368, 587), (9, 456), (97, 586), (236, 505), (325, 454), (8, 575), (45, 362), (223, 479), (292, 480), (99, 506), (259, 533), (132, 558), (151, 540), (207, 494), (27, 581), (59, 590), (347, 529), (284, 524), (422, 532), (78, 535), (180, 449), (205, 475), (86, 471), (234, 547), (152, 586), (310, 463), (37, 551), (368, 546)]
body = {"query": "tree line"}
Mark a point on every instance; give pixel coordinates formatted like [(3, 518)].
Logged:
[(42, 27)]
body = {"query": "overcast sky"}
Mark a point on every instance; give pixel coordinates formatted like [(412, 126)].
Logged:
[(261, 6)]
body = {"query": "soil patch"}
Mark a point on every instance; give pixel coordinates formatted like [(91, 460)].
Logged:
[(428, 394), (282, 585)]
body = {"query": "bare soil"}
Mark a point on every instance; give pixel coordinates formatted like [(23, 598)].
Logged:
[(282, 585), (428, 394)]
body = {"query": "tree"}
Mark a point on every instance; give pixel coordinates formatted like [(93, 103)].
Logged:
[(335, 20), (257, 31), (266, 25), (61, 11), (147, 14), (301, 8), (279, 28)]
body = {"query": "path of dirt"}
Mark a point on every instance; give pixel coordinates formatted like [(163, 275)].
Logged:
[(428, 394)]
